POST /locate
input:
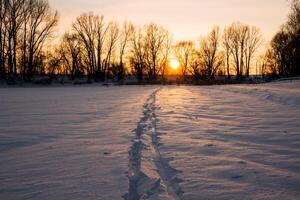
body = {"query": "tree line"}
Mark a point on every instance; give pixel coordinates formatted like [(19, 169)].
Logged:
[(282, 58), (102, 50), (25, 25)]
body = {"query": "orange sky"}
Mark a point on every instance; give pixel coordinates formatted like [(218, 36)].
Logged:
[(186, 19)]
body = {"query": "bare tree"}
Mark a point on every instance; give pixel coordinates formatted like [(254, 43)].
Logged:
[(85, 28), (227, 44), (271, 65), (241, 42), (71, 50), (125, 35), (98, 40), (55, 58), (41, 23), (293, 29), (112, 40), (182, 52), (209, 49), (3, 32), (101, 34), (24, 61), (155, 39), (165, 56), (137, 58), (293, 25), (25, 26), (285, 45), (14, 17), (281, 51), (195, 64), (253, 41), (237, 40)]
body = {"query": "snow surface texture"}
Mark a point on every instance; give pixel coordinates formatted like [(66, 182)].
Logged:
[(172, 143), (67, 143)]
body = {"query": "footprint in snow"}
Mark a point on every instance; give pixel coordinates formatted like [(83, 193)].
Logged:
[(237, 177)]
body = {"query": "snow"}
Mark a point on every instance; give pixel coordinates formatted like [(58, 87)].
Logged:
[(67, 143), (151, 142), (233, 142)]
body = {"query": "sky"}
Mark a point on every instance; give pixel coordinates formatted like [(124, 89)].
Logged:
[(186, 19)]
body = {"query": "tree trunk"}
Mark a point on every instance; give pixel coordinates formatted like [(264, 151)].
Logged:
[(228, 66)]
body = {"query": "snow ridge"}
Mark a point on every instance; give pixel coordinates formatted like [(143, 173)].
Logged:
[(150, 176)]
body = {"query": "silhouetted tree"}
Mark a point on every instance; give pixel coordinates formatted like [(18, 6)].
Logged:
[(280, 47), (293, 29), (227, 44), (85, 28), (40, 24), (3, 33), (125, 35), (165, 56), (210, 52), (253, 41), (285, 45), (113, 35), (195, 65), (101, 35), (71, 54), (25, 27), (155, 39), (15, 20), (240, 43), (138, 53), (183, 52)]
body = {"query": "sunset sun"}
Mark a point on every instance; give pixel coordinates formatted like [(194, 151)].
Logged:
[(174, 64)]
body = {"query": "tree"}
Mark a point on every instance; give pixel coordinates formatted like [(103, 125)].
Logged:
[(240, 43), (227, 44), (71, 54), (269, 64), (25, 27), (101, 34), (165, 56), (253, 41), (3, 33), (15, 20), (209, 50), (293, 29), (280, 47), (113, 35), (54, 62), (195, 64), (150, 48), (285, 45), (237, 40), (125, 35), (138, 53), (293, 24), (41, 22), (155, 40), (84, 27), (183, 51)]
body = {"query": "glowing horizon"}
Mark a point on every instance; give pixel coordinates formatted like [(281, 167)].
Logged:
[(186, 20)]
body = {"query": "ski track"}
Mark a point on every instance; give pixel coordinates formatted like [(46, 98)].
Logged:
[(150, 175)]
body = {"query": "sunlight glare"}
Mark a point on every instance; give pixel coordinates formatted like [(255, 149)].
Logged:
[(174, 64)]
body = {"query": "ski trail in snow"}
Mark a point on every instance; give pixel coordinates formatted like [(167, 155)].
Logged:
[(150, 176)]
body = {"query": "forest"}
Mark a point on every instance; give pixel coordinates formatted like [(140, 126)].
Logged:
[(97, 50)]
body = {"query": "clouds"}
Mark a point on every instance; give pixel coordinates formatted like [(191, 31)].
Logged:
[(187, 19)]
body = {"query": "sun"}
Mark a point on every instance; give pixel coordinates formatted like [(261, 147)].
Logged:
[(174, 64)]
